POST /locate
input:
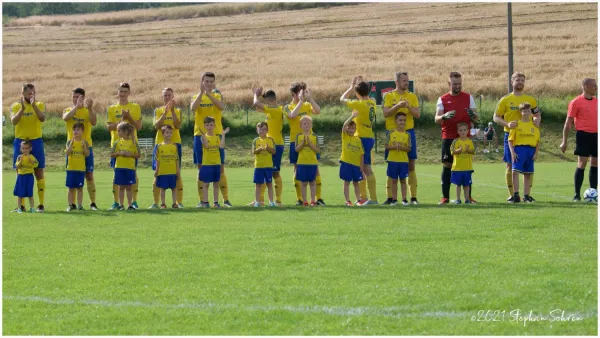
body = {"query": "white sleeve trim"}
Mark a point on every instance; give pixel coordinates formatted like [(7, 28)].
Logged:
[(440, 105), (472, 104)]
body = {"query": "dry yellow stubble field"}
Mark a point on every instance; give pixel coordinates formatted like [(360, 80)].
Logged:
[(555, 46)]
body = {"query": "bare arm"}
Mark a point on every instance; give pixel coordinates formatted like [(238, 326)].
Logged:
[(40, 114), (176, 120), (296, 110), (316, 109), (438, 117), (93, 117), (344, 97), (194, 105), (565, 135), (15, 118), (69, 147), (500, 121), (220, 105), (161, 120), (259, 105), (222, 144)]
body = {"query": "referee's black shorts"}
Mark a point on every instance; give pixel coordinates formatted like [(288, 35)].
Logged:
[(446, 152), (586, 144)]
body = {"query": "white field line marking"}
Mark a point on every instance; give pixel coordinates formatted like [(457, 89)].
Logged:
[(503, 187), (391, 311)]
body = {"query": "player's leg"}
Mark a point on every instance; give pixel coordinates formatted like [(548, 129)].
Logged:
[(70, 198), (347, 191), (115, 187), (526, 184), (278, 186), (205, 186), (447, 160), (594, 173), (223, 181), (19, 203), (412, 161), (134, 188), (318, 188), (79, 198), (31, 203), (403, 191), (467, 189), (155, 195), (303, 192), (174, 196), (129, 190), (37, 150), (293, 155), (394, 190), (197, 155), (313, 191), (583, 152), (257, 192), (270, 193), (388, 182), (89, 179), (356, 190), (163, 197), (121, 190), (508, 174), (216, 188)]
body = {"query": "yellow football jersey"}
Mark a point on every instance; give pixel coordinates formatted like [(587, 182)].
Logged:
[(391, 99), (366, 115), (126, 162), (525, 134), (176, 138), (211, 155), (167, 159), (76, 161), (306, 154), (394, 138), (263, 159), (81, 115), (29, 126), (208, 108), (27, 163), (508, 107), (115, 115), (294, 123), (352, 149), (464, 160), (275, 123)]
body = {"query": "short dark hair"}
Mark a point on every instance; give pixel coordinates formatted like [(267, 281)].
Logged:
[(455, 75), (262, 124), (209, 119), (399, 114), (79, 91), (269, 94), (78, 125), (28, 86), (362, 88), (351, 123), (165, 128), (398, 74), (208, 74), (124, 85), (167, 89), (296, 87)]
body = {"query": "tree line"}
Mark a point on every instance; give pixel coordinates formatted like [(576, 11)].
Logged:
[(21, 9)]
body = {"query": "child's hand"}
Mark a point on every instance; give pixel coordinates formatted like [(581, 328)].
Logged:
[(178, 172), (155, 174), (459, 150), (354, 113), (403, 104), (535, 156), (512, 124), (226, 130), (514, 157)]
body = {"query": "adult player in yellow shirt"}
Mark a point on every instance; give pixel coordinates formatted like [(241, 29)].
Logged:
[(209, 103), (125, 151), (398, 144), (462, 149), (507, 115), (402, 101), (263, 149), (77, 152), (167, 115), (274, 121), (524, 144), (302, 105), (27, 115), (364, 130), (130, 112), (167, 167), (352, 159), (82, 112)]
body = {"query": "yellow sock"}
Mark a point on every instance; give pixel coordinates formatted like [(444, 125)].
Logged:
[(278, 188), (362, 186), (297, 185), (412, 184), (509, 182), (372, 184), (91, 188), (155, 192), (179, 187), (200, 190), (263, 187), (134, 188), (115, 193), (318, 181), (41, 185), (388, 188), (224, 188)]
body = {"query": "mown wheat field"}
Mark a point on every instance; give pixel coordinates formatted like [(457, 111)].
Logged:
[(555, 45)]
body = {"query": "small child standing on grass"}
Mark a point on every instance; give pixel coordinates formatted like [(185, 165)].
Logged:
[(77, 151), (263, 148), (306, 147), (167, 166), (125, 150), (398, 144), (462, 150), (352, 160), (25, 164), (210, 172), (524, 144)]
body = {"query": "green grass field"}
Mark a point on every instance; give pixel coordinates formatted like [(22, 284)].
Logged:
[(425, 270)]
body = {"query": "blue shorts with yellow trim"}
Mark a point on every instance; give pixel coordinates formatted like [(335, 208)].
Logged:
[(166, 181), (37, 150), (263, 175), (75, 179), (525, 161)]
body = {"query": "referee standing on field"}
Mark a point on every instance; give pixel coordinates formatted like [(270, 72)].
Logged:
[(583, 110)]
